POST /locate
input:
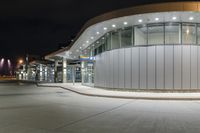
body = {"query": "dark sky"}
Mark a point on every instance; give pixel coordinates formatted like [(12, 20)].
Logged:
[(38, 26)]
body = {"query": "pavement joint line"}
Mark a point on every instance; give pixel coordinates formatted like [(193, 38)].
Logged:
[(93, 115), (23, 106), (124, 97), (22, 94)]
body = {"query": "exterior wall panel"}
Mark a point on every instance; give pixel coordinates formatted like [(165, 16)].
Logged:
[(116, 68), (160, 67), (106, 69), (143, 67), (111, 69), (128, 68), (151, 67), (168, 67), (194, 67), (198, 66), (177, 67), (135, 68), (186, 67), (121, 68)]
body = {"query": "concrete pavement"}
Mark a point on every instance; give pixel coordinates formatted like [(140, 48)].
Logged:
[(55, 110)]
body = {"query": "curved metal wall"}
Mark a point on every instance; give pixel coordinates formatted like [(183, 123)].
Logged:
[(150, 67)]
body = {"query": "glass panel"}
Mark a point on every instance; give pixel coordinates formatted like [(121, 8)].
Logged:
[(140, 33), (108, 41), (189, 34), (126, 37), (87, 68), (156, 34), (95, 51), (103, 44), (198, 34), (115, 40), (172, 33), (100, 49)]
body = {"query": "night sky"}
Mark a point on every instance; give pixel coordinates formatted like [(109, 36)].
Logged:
[(39, 26)]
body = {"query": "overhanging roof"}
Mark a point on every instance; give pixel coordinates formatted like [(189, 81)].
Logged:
[(83, 39)]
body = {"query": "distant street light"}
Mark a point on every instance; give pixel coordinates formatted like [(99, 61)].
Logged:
[(21, 61)]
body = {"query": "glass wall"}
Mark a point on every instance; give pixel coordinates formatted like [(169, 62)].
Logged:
[(140, 35), (126, 37), (172, 33), (198, 34), (189, 34), (150, 34), (155, 34), (108, 41), (115, 40)]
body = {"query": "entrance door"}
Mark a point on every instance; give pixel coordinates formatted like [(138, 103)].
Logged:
[(88, 73), (73, 71)]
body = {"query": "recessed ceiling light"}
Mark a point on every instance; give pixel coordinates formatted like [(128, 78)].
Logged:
[(113, 25), (125, 23), (156, 19), (97, 33), (191, 18), (105, 28), (80, 47), (140, 20), (103, 38), (87, 41), (174, 18), (92, 37)]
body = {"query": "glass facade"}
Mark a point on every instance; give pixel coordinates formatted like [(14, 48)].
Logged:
[(170, 33), (126, 37), (189, 33), (155, 34)]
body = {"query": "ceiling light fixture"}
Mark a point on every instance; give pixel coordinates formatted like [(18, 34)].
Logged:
[(174, 18), (113, 25), (125, 23), (191, 18), (156, 19)]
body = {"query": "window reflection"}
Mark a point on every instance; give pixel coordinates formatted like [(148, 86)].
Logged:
[(189, 34), (172, 33), (115, 40), (156, 34), (140, 35), (126, 37)]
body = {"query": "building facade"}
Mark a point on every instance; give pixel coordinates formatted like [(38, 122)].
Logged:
[(154, 47)]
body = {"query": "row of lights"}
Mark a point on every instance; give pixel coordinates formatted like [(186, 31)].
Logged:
[(126, 23), (173, 18), (105, 28)]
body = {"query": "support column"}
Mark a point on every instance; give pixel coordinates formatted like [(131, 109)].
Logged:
[(64, 70), (56, 71), (41, 72), (46, 73)]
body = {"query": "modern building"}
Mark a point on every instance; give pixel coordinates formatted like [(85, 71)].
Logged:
[(154, 47), (36, 70)]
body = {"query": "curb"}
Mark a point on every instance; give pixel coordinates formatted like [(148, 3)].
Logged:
[(121, 97)]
